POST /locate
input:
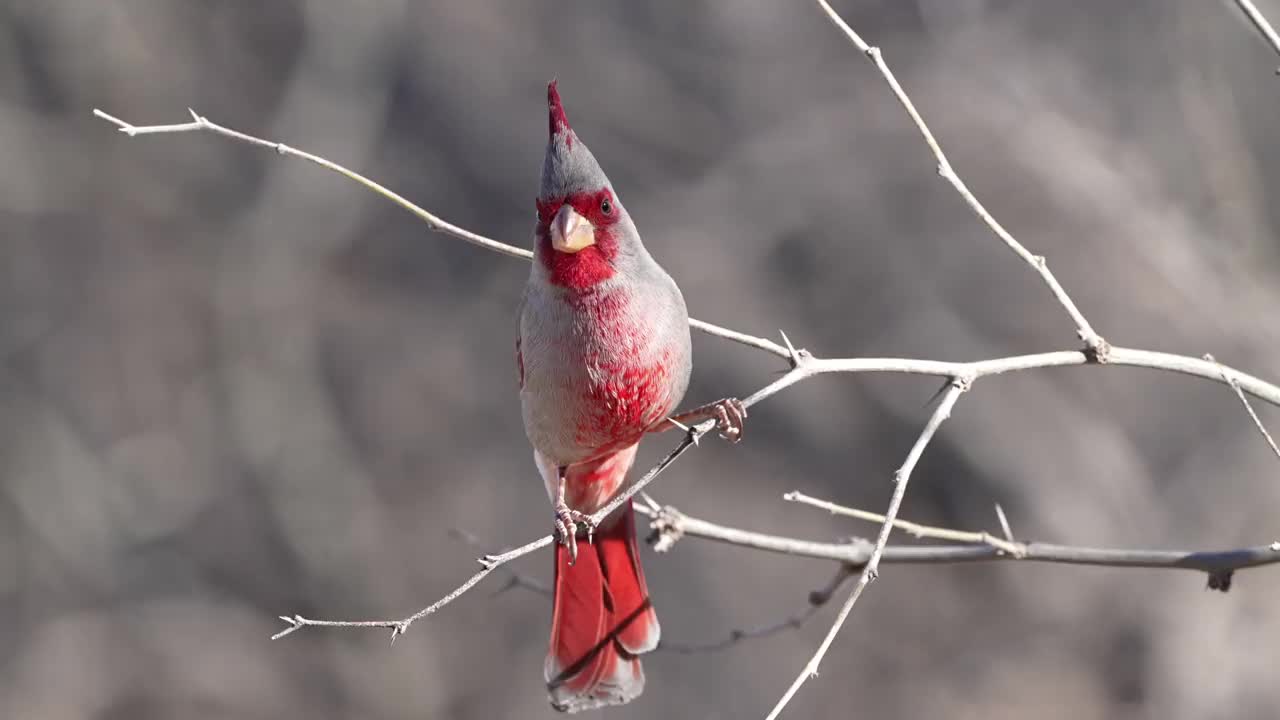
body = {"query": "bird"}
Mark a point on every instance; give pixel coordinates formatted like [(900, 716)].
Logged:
[(604, 358)]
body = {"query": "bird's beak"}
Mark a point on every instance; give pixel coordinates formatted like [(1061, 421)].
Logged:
[(570, 232)]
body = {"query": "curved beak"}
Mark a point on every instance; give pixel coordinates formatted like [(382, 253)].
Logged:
[(570, 232)]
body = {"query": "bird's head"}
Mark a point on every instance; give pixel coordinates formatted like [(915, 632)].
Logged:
[(583, 236)]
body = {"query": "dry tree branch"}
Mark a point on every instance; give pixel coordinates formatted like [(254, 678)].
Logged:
[(870, 570), (671, 524), (816, 599), (1092, 340), (914, 529), (1260, 22), (200, 123)]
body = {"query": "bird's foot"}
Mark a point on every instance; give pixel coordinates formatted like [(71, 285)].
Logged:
[(728, 413), (567, 522)]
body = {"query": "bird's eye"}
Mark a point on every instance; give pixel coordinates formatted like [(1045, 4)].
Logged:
[(606, 207)]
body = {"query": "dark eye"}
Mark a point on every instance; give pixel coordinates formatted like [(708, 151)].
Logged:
[(606, 207)]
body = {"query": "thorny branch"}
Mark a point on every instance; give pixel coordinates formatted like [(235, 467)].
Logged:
[(1007, 545), (804, 365), (670, 525), (816, 600), (870, 570), (1094, 342)]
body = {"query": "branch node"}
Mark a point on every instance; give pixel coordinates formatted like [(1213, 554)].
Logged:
[(1097, 350), (1220, 580), (488, 562), (873, 52), (667, 529)]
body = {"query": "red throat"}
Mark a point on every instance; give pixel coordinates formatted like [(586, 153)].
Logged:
[(591, 265)]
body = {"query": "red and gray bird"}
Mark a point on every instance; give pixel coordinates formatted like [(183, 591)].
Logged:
[(604, 358)]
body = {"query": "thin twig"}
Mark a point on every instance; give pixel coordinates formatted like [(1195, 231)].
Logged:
[(914, 529), (869, 571), (200, 123), (1260, 22), (1092, 340), (488, 563), (1257, 421)]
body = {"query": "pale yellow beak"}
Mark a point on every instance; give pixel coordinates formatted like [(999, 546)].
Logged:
[(570, 232)]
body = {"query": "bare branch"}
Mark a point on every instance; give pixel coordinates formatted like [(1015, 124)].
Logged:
[(856, 553), (399, 627), (914, 529), (1092, 340), (816, 599), (1260, 22), (869, 571), (1257, 422), (201, 123)]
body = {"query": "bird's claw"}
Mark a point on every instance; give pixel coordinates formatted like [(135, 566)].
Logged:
[(567, 522), (730, 415)]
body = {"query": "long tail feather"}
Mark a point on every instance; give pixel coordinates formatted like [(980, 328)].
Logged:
[(601, 620)]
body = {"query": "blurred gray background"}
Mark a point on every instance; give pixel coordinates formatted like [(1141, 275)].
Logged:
[(235, 385)]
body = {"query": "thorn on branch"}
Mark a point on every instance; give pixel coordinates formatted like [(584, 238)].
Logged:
[(295, 624), (797, 356), (1004, 524), (1220, 580)]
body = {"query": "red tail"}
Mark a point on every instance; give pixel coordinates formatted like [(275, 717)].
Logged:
[(601, 620)]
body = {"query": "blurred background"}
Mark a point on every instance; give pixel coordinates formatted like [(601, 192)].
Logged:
[(236, 386)]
